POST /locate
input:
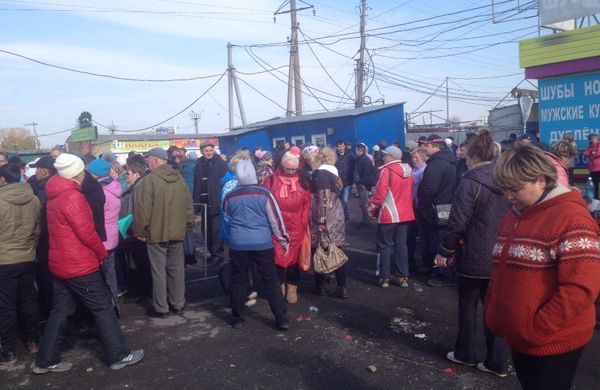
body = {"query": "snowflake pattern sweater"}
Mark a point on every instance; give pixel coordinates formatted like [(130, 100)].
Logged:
[(546, 276)]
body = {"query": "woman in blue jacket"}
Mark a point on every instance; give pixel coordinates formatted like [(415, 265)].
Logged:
[(252, 218)]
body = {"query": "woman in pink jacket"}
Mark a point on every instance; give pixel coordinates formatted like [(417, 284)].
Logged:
[(593, 154), (103, 171)]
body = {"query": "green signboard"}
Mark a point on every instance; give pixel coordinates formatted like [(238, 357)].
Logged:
[(85, 134)]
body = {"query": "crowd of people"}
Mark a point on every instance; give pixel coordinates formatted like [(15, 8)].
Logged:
[(501, 221)]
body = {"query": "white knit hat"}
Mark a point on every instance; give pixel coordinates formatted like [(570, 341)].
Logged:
[(68, 165)]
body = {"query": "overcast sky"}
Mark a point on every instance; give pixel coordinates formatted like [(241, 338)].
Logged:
[(172, 39)]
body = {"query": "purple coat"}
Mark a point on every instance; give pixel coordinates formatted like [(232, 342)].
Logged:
[(112, 206)]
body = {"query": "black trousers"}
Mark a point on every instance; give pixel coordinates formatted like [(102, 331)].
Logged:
[(17, 295), (547, 372), (433, 236), (213, 238), (340, 277), (596, 180), (142, 277), (265, 264), (290, 275), (470, 292), (43, 281), (91, 290)]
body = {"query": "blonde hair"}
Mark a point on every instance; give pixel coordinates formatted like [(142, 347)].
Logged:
[(328, 156), (523, 163), (421, 151), (238, 156), (564, 149), (497, 146)]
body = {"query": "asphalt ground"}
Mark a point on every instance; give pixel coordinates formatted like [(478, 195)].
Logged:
[(403, 334)]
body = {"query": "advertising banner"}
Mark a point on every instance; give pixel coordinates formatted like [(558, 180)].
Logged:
[(553, 11), (144, 146), (569, 104)]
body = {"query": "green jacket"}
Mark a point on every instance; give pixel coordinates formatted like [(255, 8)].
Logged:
[(163, 206), (19, 229)]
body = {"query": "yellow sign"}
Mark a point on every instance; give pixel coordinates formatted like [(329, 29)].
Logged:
[(564, 46), (138, 146)]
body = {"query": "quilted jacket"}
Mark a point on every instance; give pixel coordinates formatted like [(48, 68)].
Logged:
[(392, 201), (75, 247)]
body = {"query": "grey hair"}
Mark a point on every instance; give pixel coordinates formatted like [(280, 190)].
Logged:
[(245, 172)]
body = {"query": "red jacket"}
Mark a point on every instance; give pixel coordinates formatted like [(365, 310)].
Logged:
[(545, 276), (393, 197), (75, 247), (593, 153), (295, 209)]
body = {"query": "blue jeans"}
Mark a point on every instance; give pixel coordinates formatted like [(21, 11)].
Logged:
[(345, 196), (391, 244)]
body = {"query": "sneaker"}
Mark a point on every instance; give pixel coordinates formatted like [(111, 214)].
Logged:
[(253, 295), (341, 292), (133, 358), (121, 293), (383, 282), (33, 346), (320, 291), (482, 367), (450, 356), (400, 281), (178, 310), (237, 324), (156, 314), (439, 283), (250, 302), (283, 325), (7, 358), (59, 367)]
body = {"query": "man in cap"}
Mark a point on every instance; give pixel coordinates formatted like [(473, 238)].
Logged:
[(44, 170), (436, 188), (210, 168), (345, 163), (392, 205), (76, 252), (365, 177), (163, 211)]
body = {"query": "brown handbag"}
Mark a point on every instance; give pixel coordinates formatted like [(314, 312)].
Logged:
[(326, 260)]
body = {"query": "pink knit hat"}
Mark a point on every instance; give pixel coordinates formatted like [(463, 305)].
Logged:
[(290, 160)]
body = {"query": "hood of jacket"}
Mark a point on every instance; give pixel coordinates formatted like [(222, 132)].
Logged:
[(17, 194), (444, 155), (167, 173), (482, 173), (111, 186), (57, 185), (228, 176), (399, 168)]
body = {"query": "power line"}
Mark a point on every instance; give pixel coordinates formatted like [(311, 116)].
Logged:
[(262, 94), (106, 75), (172, 116)]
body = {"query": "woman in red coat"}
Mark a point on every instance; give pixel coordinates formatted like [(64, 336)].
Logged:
[(593, 154), (293, 197)]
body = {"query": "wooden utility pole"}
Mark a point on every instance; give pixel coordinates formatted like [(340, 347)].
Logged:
[(233, 84), (360, 66), (35, 136), (447, 104)]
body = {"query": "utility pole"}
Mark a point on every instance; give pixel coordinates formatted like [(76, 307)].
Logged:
[(294, 80), (112, 128), (35, 136), (360, 67), (195, 117), (447, 104), (233, 84)]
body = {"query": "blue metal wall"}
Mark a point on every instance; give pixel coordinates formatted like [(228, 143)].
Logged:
[(369, 128), (387, 124)]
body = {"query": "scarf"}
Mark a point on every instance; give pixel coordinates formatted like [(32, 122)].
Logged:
[(288, 183)]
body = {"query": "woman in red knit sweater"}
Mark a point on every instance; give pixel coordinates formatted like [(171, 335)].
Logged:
[(546, 271)]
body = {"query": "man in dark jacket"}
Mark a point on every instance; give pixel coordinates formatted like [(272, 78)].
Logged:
[(44, 171), (365, 177), (436, 188), (94, 195), (345, 163), (210, 168)]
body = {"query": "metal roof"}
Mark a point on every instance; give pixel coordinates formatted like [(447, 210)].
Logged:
[(310, 117), (102, 138)]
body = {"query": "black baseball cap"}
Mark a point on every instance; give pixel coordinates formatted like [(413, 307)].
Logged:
[(44, 162)]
